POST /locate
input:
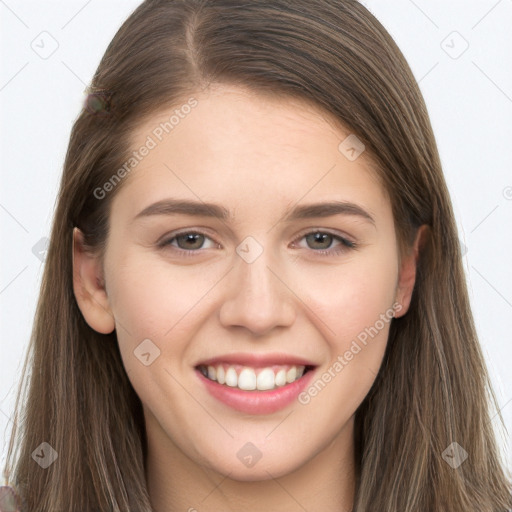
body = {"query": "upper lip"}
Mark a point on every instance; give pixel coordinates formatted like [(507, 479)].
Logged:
[(256, 360)]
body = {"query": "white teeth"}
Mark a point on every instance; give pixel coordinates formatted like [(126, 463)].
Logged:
[(251, 379), (265, 379), (231, 377), (291, 374), (280, 378), (247, 379)]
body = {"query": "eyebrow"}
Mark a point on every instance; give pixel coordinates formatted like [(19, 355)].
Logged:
[(202, 209)]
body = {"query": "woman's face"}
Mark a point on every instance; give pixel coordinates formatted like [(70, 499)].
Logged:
[(254, 291)]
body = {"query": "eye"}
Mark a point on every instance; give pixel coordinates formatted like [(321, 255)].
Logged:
[(188, 241), (322, 243)]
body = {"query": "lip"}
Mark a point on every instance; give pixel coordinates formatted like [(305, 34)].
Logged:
[(256, 402), (256, 360)]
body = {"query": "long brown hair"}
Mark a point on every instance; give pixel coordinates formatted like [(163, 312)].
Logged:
[(432, 389)]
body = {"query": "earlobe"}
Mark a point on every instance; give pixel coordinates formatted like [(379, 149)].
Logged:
[(89, 288), (407, 272)]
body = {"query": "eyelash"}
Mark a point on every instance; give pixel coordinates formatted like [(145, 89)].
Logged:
[(345, 246)]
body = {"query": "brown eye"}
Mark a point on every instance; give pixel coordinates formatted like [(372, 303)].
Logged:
[(326, 244), (323, 239), (190, 241)]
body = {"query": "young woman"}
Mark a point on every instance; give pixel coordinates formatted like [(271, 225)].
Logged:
[(253, 297)]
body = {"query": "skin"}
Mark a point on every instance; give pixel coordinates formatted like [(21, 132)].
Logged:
[(255, 156)]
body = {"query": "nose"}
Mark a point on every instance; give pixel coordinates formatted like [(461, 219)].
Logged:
[(258, 297)]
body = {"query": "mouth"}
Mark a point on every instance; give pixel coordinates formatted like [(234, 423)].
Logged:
[(249, 378), (255, 384)]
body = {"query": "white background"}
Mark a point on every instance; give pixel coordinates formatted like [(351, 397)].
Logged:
[(469, 99)]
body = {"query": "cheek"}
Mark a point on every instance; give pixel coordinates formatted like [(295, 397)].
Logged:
[(154, 299), (153, 304), (348, 297), (355, 304), (148, 293)]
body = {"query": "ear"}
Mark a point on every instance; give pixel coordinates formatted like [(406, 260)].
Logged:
[(407, 272), (89, 287)]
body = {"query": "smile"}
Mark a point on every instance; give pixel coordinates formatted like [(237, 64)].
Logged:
[(255, 384), (253, 379)]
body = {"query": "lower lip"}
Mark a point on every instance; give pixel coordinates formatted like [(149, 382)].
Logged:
[(256, 402)]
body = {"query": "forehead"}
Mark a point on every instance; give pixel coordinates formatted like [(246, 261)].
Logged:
[(241, 148)]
